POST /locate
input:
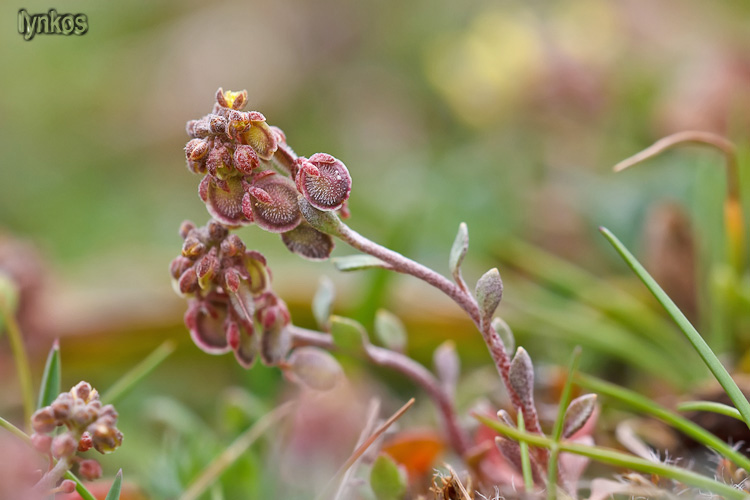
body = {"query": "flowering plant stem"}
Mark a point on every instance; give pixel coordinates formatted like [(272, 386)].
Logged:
[(460, 296), (403, 364)]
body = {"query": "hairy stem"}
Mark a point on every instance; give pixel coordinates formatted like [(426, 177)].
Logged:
[(405, 365), (460, 296)]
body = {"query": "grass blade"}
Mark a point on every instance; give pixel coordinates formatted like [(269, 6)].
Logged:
[(645, 405), (138, 373), (50, 387), (528, 480), (710, 406), (613, 457), (705, 352), (114, 490)]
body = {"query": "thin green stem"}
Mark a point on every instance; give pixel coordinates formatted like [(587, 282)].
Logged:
[(680, 423), (552, 469), (528, 480), (613, 457), (138, 372), (15, 430), (22, 361), (710, 406), (705, 352), (235, 450)]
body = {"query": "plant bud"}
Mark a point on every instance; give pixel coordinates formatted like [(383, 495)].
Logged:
[(68, 486), (245, 159), (85, 443), (489, 292), (192, 247), (43, 421), (578, 413), (258, 277), (41, 442), (232, 245), (105, 438), (324, 181), (260, 136), (185, 228), (216, 232), (63, 446), (198, 128), (247, 350), (217, 124), (89, 469), (188, 282), (83, 391), (315, 368), (219, 162), (196, 149), (272, 204)]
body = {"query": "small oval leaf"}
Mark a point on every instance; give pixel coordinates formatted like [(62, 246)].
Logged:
[(522, 376), (447, 366), (315, 368), (322, 303), (386, 479), (506, 334), (458, 252), (578, 413), (358, 263), (390, 331), (348, 335), (489, 292)]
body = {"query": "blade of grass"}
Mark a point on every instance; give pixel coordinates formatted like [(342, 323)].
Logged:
[(710, 406), (613, 457), (138, 373), (645, 405), (215, 469), (528, 481), (114, 490), (705, 352), (22, 361), (50, 387), (558, 428)]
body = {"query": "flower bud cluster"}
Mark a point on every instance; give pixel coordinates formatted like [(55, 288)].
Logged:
[(231, 305), (88, 425), (252, 176)]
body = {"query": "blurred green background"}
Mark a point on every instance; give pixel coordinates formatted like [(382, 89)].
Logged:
[(505, 115)]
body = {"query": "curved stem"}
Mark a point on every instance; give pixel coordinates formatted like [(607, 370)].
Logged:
[(403, 364), (22, 361), (462, 297)]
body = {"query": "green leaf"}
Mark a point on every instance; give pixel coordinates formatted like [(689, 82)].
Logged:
[(705, 352), (358, 263), (348, 335), (114, 490), (9, 296), (528, 480), (386, 479), (322, 302), (506, 334), (458, 252), (711, 406), (489, 291), (50, 387), (390, 331)]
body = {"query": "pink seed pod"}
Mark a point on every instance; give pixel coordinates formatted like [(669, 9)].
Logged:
[(225, 205), (196, 149), (245, 159), (272, 204), (308, 242), (206, 329), (324, 181)]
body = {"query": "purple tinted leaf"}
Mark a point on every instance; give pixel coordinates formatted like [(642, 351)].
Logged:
[(315, 368), (578, 413), (307, 242), (522, 376), (489, 292)]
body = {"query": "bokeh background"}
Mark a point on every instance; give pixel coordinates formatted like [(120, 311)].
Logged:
[(506, 115)]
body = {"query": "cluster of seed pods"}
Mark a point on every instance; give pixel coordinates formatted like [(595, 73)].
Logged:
[(231, 306), (251, 175)]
